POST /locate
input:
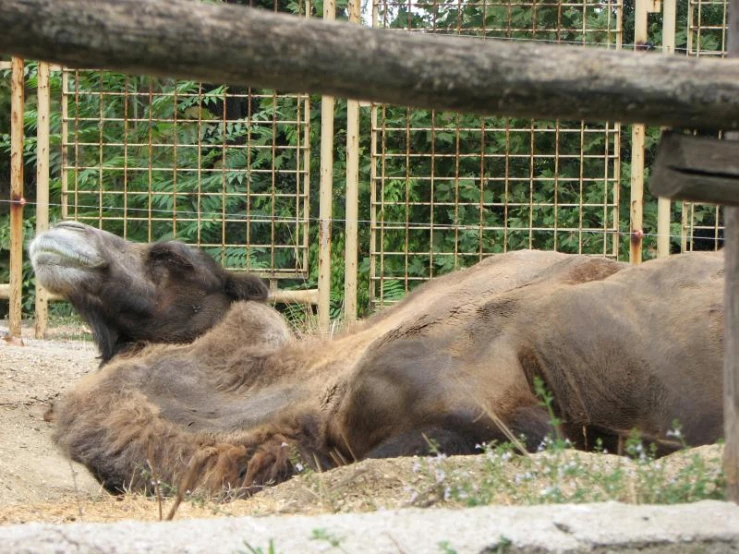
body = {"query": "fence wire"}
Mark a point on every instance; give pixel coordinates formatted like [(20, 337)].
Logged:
[(463, 187), (701, 225), (224, 168)]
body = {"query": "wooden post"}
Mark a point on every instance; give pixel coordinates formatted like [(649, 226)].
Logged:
[(351, 228), (325, 196), (42, 187), (17, 83), (731, 307), (731, 361), (636, 203), (664, 205), (65, 138)]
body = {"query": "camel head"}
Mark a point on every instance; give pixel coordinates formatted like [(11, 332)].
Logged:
[(130, 293)]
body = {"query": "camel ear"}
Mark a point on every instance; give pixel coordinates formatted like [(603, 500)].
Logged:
[(245, 286)]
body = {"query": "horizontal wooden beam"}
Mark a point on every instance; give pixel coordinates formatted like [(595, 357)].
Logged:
[(697, 169), (293, 297), (239, 45), (275, 297)]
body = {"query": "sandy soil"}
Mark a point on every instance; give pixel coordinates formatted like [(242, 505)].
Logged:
[(38, 484)]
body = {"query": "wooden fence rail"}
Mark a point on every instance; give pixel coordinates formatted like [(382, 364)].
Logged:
[(223, 43)]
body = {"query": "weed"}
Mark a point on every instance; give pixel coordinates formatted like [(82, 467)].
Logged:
[(258, 549), (323, 535)]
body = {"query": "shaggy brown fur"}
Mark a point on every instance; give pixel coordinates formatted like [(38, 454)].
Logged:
[(619, 347), (132, 294)]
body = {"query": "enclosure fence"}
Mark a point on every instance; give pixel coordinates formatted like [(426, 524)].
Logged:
[(231, 169), (449, 189)]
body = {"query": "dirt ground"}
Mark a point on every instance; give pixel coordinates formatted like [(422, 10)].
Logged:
[(38, 484)]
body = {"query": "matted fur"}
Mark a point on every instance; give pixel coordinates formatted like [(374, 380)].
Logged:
[(620, 347)]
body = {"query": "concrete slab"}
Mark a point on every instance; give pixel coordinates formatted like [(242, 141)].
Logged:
[(706, 527)]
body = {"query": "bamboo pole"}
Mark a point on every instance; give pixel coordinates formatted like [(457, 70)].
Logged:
[(276, 296), (306, 171), (17, 83), (351, 228), (664, 205), (373, 183), (42, 187), (731, 308), (293, 297), (636, 204), (325, 197), (65, 138), (238, 45)]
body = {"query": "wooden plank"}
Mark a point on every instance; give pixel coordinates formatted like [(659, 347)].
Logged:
[(664, 205), (638, 132), (294, 297), (698, 169), (731, 307), (731, 361), (325, 209), (235, 44), (351, 225), (277, 296), (42, 187), (17, 100)]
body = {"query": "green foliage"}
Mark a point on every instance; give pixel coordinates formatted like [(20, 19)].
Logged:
[(559, 475), (455, 187), (330, 539)]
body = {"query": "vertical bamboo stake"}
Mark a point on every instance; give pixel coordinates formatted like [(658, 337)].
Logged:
[(42, 187), (65, 138), (17, 201), (326, 193), (637, 152), (664, 206), (373, 181), (731, 308), (351, 237), (306, 178)]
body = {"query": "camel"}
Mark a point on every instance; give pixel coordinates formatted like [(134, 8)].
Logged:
[(204, 385)]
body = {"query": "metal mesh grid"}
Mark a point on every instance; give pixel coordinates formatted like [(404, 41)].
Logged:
[(449, 189), (226, 169), (701, 225)]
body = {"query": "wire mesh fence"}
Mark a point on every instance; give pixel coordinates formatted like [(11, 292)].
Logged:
[(701, 225), (226, 169), (449, 189)]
